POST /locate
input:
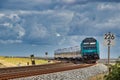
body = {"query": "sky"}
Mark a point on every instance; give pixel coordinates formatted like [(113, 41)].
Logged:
[(38, 26)]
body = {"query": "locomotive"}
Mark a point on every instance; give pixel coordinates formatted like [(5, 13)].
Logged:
[(88, 52)]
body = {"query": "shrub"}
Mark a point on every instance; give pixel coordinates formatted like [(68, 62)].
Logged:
[(114, 73)]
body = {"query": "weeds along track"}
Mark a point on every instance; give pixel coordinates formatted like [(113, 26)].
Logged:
[(17, 72)]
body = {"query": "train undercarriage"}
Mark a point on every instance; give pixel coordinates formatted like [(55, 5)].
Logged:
[(77, 60)]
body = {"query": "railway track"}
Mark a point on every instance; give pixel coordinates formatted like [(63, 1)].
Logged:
[(17, 72)]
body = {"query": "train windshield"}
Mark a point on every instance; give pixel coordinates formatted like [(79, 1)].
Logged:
[(89, 45)]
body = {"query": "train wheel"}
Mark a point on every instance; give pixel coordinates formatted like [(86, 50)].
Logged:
[(93, 61)]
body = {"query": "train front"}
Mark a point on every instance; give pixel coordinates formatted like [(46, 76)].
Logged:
[(90, 50)]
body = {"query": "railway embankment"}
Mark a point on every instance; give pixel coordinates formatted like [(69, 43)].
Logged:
[(76, 74), (1, 65)]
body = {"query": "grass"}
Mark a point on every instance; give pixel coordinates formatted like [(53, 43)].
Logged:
[(102, 76), (21, 61), (1, 65), (97, 77)]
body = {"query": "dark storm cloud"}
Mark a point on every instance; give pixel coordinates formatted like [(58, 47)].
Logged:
[(42, 4)]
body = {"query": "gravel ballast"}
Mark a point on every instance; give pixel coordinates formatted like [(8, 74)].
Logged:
[(76, 74)]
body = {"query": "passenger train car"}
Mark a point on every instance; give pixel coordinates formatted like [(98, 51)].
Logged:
[(87, 52)]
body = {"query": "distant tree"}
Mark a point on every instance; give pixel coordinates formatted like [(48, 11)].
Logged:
[(115, 72)]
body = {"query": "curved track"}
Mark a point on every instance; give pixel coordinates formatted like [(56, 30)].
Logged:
[(17, 72)]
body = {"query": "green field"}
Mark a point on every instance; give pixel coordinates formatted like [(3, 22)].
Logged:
[(13, 61)]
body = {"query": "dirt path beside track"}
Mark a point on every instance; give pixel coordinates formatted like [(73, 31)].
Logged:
[(6, 64), (1, 65)]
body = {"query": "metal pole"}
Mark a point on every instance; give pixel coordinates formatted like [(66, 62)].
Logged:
[(108, 55), (109, 43), (46, 53), (109, 58), (109, 37)]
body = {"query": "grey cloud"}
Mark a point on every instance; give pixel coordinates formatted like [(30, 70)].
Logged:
[(43, 4), (38, 31), (39, 27), (10, 29)]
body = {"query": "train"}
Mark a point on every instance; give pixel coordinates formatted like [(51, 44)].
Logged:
[(87, 52)]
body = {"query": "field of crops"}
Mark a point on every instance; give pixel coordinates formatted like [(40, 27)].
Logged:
[(13, 61)]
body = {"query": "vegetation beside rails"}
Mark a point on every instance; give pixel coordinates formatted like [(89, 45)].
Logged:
[(21, 61), (114, 73), (97, 77)]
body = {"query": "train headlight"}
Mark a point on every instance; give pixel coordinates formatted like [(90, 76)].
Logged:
[(95, 55), (85, 57)]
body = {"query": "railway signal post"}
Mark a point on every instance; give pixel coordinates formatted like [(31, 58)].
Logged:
[(109, 39), (32, 59), (46, 53)]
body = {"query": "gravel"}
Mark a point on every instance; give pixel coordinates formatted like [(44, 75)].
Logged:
[(76, 74)]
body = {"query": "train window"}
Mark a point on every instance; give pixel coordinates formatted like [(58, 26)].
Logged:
[(93, 43), (89, 44), (93, 47), (89, 47), (86, 43)]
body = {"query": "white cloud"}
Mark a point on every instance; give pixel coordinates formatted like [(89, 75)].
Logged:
[(68, 1), (35, 12), (10, 41), (42, 1), (58, 35), (108, 6), (104, 6), (6, 24), (38, 31), (112, 22), (19, 30), (29, 3), (11, 28), (50, 13), (80, 18), (16, 32), (14, 17), (71, 40), (2, 15), (36, 25), (56, 20), (41, 24)]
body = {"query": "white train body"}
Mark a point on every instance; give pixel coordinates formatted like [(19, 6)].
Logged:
[(68, 55)]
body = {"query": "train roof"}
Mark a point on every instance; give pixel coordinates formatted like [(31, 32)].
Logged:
[(91, 39)]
